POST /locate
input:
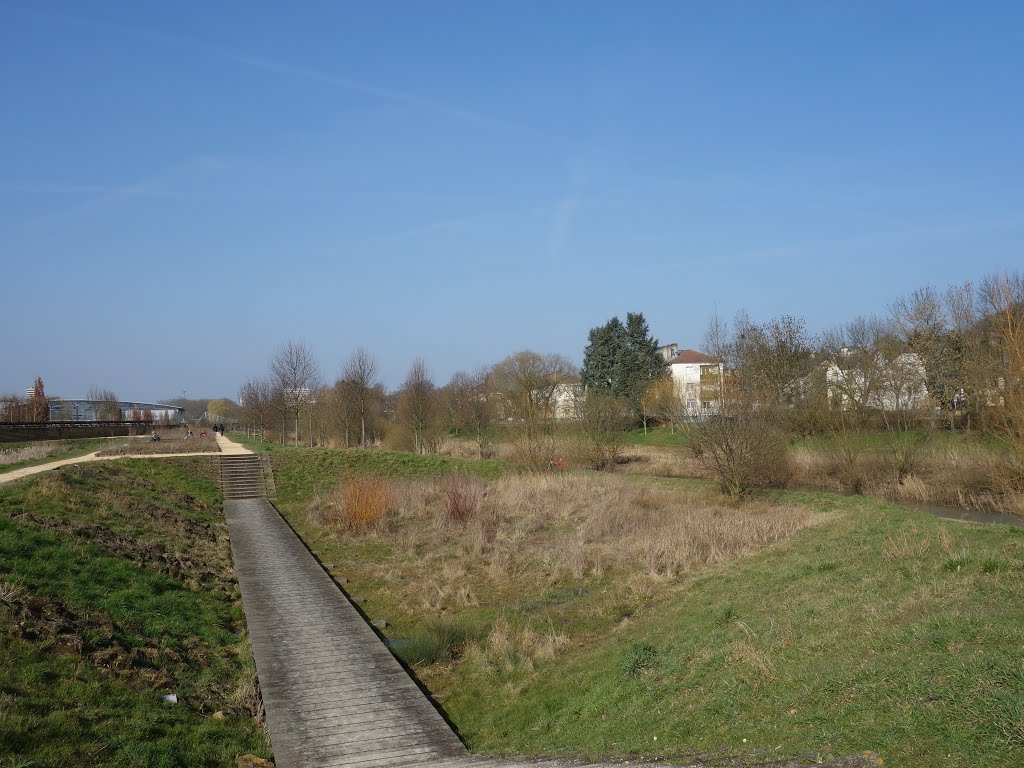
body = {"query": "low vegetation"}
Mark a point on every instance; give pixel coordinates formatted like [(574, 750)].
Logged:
[(171, 441), (301, 473), (116, 591), (923, 467), (18, 455)]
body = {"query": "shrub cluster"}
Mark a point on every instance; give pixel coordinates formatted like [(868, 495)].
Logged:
[(364, 501)]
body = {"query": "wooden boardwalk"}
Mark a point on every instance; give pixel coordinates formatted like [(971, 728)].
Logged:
[(333, 693)]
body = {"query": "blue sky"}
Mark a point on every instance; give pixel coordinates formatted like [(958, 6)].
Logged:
[(185, 186)]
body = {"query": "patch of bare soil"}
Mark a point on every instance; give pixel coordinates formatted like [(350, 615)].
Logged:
[(48, 622)]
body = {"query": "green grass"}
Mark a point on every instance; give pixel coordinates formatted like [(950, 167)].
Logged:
[(118, 590), (839, 641), (302, 473), (440, 640), (64, 449)]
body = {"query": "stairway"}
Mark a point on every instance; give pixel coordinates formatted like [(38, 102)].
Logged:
[(244, 477)]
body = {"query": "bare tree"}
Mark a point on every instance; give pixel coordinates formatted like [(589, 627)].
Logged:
[(773, 360), (1002, 301), (255, 398), (925, 328), (106, 405), (718, 340), (362, 385), (605, 421), (857, 354), (40, 408), (744, 450), (529, 384), (320, 415), (416, 409), (664, 402), (295, 375), (342, 410), (470, 405), (12, 408)]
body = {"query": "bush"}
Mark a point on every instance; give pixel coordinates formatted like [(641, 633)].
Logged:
[(604, 426), (461, 497), (744, 451), (365, 500), (905, 449)]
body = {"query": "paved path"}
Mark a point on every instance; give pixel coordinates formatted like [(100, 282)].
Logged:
[(230, 447), (226, 447)]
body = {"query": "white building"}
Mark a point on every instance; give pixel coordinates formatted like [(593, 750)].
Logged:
[(698, 380), (567, 401), (899, 384)]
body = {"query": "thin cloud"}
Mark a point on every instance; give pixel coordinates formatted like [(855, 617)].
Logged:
[(173, 181), (357, 86), (269, 65)]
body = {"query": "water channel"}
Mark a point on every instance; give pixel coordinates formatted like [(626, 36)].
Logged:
[(967, 515)]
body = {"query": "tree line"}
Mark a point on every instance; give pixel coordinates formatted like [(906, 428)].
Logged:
[(938, 358)]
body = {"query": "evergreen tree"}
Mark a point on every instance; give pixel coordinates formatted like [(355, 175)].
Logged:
[(601, 355), (622, 359)]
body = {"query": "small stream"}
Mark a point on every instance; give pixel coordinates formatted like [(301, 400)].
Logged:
[(966, 515), (938, 510)]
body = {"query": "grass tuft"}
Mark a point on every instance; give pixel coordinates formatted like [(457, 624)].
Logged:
[(439, 640), (638, 659)]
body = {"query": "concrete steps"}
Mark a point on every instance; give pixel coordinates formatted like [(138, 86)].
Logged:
[(244, 476)]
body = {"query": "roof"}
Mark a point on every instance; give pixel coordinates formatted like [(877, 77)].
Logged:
[(691, 357)]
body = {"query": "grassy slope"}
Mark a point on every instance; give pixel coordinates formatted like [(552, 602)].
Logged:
[(301, 473), (68, 449), (123, 592), (885, 629)]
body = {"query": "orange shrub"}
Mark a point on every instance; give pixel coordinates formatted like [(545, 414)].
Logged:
[(365, 500)]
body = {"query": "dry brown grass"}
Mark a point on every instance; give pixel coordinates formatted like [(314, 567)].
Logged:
[(553, 555), (511, 646), (960, 476), (28, 453), (660, 462), (171, 441), (356, 506), (554, 527), (906, 546), (461, 496)]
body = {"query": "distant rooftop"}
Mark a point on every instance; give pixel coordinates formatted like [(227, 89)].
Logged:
[(692, 357)]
